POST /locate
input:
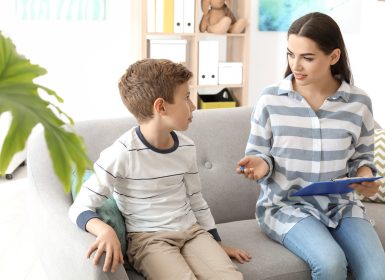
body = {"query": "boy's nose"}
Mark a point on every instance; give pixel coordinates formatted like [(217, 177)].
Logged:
[(192, 107)]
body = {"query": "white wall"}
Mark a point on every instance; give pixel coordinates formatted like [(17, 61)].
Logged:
[(84, 59), (366, 51)]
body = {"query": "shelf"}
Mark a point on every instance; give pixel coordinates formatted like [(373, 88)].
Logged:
[(231, 48)]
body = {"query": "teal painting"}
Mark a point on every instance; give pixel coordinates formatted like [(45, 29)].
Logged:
[(277, 15)]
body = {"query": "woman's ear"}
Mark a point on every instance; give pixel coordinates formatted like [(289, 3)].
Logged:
[(335, 56), (159, 106)]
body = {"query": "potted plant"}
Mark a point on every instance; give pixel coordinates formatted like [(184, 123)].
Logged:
[(20, 96)]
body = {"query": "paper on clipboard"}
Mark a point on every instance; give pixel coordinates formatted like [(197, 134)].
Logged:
[(339, 186)]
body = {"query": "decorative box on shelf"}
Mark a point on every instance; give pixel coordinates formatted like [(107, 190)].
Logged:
[(222, 99), (174, 50), (230, 73)]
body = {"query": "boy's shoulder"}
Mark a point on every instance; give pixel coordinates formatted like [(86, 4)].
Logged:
[(128, 137)]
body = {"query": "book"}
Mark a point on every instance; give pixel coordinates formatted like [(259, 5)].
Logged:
[(336, 186)]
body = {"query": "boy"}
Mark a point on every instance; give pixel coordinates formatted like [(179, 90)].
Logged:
[(151, 172)]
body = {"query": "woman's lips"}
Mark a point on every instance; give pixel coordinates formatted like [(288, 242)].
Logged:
[(299, 76)]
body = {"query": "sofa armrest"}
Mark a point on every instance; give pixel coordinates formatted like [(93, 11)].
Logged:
[(60, 244)]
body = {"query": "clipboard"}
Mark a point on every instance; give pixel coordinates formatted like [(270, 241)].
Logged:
[(337, 186)]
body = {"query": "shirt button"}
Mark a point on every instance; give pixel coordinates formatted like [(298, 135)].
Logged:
[(208, 165)]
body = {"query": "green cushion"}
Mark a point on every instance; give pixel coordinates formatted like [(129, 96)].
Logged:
[(379, 161), (108, 212)]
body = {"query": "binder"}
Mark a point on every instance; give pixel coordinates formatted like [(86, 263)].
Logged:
[(178, 16), (151, 16), (208, 62), (159, 16), (184, 19), (188, 15), (168, 16), (339, 186)]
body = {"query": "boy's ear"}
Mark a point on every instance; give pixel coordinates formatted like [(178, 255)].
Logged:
[(159, 105), (335, 56)]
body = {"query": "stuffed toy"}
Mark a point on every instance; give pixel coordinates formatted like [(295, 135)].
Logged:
[(218, 18)]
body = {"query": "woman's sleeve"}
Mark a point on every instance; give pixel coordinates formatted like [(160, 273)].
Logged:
[(364, 145), (261, 138)]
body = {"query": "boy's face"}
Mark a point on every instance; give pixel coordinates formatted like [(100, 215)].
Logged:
[(179, 114)]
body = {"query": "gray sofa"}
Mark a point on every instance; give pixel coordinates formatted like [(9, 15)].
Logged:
[(220, 136)]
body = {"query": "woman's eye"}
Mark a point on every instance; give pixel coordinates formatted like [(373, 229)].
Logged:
[(290, 55), (308, 58)]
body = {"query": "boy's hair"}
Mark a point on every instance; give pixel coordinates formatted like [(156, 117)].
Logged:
[(149, 79), (325, 32)]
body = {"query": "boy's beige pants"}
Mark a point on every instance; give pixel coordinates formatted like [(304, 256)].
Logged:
[(180, 255)]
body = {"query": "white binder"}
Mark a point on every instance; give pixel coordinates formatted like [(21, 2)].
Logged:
[(151, 16), (188, 15), (159, 20), (184, 18), (208, 62), (178, 16)]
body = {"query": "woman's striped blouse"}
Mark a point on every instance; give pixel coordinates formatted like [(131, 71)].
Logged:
[(303, 146)]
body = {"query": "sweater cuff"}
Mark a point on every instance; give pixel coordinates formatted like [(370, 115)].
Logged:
[(215, 234), (84, 217), (270, 164)]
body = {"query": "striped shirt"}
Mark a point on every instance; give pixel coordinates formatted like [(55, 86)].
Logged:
[(302, 146), (155, 190)]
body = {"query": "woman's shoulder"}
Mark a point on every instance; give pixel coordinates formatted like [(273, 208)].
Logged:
[(281, 87)]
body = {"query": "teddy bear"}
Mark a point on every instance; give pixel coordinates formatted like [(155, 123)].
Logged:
[(218, 18)]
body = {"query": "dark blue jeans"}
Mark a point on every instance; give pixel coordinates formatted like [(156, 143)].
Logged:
[(329, 252)]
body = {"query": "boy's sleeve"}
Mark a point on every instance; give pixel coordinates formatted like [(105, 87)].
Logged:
[(96, 189), (364, 144), (198, 203), (261, 137)]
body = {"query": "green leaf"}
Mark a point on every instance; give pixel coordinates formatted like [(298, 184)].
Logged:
[(19, 95)]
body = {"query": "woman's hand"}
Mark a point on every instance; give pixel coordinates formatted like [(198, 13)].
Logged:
[(366, 189), (253, 167)]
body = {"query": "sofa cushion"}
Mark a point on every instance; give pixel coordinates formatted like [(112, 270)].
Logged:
[(379, 161), (108, 212), (270, 259)]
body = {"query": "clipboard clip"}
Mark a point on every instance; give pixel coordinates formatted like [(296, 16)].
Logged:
[(339, 178)]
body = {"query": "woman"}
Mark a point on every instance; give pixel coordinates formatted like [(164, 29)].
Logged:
[(313, 126)]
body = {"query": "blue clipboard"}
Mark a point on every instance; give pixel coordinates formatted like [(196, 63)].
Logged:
[(338, 186)]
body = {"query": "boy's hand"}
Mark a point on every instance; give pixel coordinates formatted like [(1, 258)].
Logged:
[(253, 167), (240, 255), (106, 242)]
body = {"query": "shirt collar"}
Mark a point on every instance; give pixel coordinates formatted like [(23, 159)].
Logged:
[(285, 87)]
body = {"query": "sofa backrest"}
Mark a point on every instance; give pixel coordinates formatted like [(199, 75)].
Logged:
[(220, 136)]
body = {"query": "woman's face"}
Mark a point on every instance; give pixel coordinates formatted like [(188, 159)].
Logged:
[(308, 63)]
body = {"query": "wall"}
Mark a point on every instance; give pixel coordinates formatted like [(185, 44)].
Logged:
[(366, 52), (84, 59)]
